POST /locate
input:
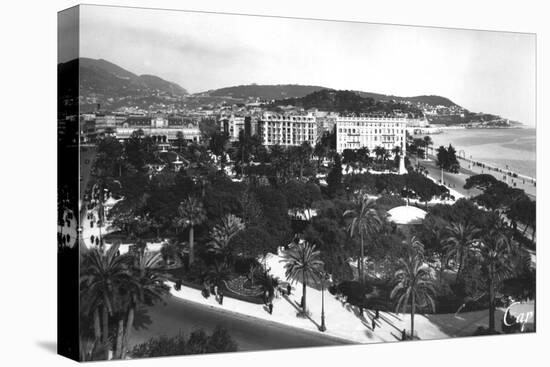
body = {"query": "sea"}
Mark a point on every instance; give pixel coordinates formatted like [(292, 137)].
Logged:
[(513, 149)]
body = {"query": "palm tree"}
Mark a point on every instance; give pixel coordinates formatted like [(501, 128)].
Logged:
[(304, 153), (222, 234), (363, 158), (414, 283), (396, 150), (218, 273), (497, 253), (191, 213), (102, 273), (381, 153), (147, 287), (170, 252), (302, 263), (365, 221), (428, 142), (320, 151), (458, 243)]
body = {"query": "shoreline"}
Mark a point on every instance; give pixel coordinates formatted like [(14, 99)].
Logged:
[(529, 188), (503, 152)]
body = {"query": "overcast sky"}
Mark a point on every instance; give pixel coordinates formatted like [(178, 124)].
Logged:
[(489, 72)]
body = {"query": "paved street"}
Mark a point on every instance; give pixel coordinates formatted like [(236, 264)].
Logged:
[(250, 333), (87, 158), (454, 180)]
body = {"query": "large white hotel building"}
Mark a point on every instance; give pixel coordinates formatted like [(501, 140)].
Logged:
[(287, 130), (366, 131)]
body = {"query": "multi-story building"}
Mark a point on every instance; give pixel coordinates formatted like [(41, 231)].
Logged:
[(108, 121), (232, 125), (162, 129), (366, 131), (287, 130)]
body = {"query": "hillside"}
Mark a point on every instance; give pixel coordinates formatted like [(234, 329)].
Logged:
[(104, 80), (287, 91), (345, 101), (424, 99), (265, 92)]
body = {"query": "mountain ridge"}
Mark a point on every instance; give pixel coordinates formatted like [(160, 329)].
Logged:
[(285, 91), (104, 80)]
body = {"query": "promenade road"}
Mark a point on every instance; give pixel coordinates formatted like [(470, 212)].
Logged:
[(251, 334)]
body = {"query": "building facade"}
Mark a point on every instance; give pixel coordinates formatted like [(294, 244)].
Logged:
[(232, 125), (365, 131), (162, 129), (287, 130)]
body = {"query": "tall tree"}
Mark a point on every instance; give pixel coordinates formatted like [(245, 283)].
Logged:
[(147, 287), (305, 152), (458, 243), (302, 263), (320, 151), (365, 221), (334, 178), (497, 253), (381, 153), (219, 143), (222, 234), (180, 141), (414, 284), (190, 214), (363, 158), (101, 276), (428, 142)]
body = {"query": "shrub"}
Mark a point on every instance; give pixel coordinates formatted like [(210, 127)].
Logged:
[(160, 347), (198, 343), (242, 265), (354, 291), (220, 342)]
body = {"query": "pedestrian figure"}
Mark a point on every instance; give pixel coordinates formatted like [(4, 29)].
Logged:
[(288, 289), (92, 238), (361, 311), (97, 241), (377, 314), (221, 297), (270, 308), (403, 335)]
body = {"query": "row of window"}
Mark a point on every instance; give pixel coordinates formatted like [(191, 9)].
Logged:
[(368, 124), (369, 131), (356, 145)]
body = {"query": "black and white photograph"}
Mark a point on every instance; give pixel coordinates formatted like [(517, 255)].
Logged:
[(274, 184), (249, 183)]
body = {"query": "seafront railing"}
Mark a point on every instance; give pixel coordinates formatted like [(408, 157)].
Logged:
[(507, 172)]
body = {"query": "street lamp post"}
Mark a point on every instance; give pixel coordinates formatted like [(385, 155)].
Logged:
[(323, 326), (79, 237)]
